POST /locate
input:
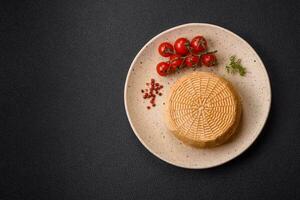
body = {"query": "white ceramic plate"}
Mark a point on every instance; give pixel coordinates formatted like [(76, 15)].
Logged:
[(148, 125)]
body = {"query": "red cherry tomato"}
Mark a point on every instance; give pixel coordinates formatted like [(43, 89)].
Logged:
[(198, 44), (175, 61), (181, 46), (192, 61), (209, 59), (165, 49), (162, 68)]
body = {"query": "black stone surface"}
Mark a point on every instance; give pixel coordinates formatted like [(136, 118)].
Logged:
[(64, 132)]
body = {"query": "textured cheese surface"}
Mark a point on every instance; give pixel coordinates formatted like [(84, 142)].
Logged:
[(203, 109)]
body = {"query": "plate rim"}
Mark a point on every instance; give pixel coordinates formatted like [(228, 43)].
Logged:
[(135, 131)]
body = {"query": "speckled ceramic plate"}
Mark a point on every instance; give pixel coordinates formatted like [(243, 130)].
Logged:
[(149, 126)]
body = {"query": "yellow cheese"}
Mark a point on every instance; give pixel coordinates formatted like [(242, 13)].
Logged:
[(203, 109)]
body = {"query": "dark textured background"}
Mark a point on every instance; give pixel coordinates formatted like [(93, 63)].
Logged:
[(64, 131)]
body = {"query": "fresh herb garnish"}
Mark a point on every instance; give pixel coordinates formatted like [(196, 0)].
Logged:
[(235, 66)]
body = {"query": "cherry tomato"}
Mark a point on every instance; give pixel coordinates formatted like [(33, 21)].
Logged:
[(162, 68), (181, 46), (209, 59), (198, 44), (175, 61), (165, 49), (192, 61)]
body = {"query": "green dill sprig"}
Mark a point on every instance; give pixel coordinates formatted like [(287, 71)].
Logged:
[(235, 66)]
